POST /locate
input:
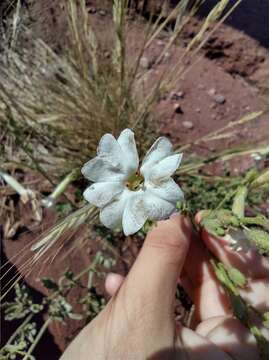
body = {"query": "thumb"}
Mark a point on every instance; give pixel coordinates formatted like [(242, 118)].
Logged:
[(155, 272)]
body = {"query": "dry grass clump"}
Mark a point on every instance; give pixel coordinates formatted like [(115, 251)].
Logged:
[(62, 103)]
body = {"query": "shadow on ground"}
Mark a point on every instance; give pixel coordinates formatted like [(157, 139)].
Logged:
[(251, 17)]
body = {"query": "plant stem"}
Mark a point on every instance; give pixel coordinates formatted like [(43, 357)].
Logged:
[(18, 330), (12, 182), (60, 188), (239, 201), (38, 337), (64, 183), (88, 269), (66, 288)]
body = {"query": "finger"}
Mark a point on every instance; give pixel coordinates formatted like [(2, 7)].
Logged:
[(113, 283), (206, 292), (206, 326), (250, 263), (230, 336), (198, 347), (153, 277), (210, 298), (256, 293)]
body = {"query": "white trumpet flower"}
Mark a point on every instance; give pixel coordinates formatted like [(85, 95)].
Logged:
[(129, 196)]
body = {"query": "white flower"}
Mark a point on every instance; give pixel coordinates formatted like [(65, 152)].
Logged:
[(127, 196)]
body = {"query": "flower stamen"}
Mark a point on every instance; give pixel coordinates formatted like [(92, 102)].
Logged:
[(135, 182)]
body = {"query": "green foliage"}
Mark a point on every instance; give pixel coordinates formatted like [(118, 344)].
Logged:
[(237, 277), (244, 232), (259, 238), (20, 344), (60, 309), (232, 280), (207, 192), (55, 304), (50, 284), (266, 320), (22, 304), (92, 304)]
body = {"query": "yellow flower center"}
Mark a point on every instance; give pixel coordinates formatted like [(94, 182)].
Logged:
[(135, 182)]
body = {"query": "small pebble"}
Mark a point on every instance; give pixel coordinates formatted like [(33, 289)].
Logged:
[(212, 92), (256, 156), (177, 95), (107, 54), (178, 109), (160, 43), (102, 12), (167, 55), (91, 10), (144, 63), (198, 110), (188, 124), (259, 160), (219, 99)]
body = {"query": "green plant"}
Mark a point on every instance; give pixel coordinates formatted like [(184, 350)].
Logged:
[(55, 305)]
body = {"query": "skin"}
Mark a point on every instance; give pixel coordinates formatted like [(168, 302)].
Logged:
[(138, 322)]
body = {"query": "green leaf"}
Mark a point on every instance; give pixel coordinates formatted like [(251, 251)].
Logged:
[(213, 226), (69, 275), (227, 218), (238, 207), (50, 284), (237, 277), (259, 220), (259, 238), (239, 307), (266, 320)]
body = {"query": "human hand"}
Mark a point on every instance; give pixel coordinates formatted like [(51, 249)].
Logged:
[(138, 322)]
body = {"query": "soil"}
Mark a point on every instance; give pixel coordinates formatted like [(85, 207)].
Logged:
[(229, 79)]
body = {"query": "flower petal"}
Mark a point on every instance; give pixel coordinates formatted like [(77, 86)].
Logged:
[(165, 168), (167, 190), (111, 214), (99, 170), (127, 143), (158, 151), (157, 208), (134, 215), (110, 151), (100, 194)]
